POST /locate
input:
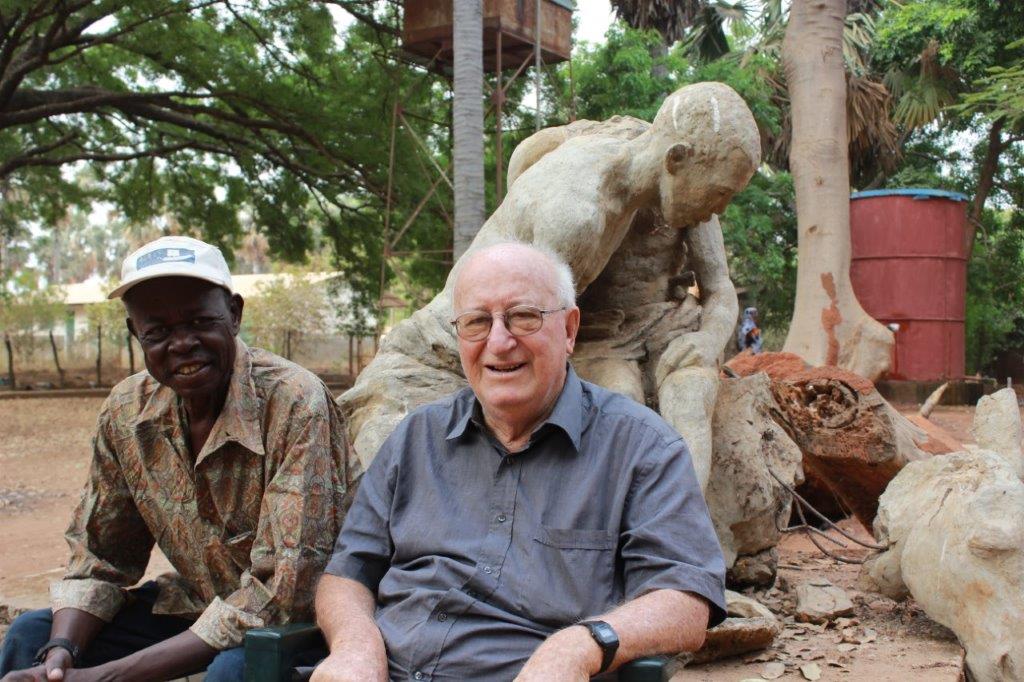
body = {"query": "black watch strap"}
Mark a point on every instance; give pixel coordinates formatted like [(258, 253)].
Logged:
[(57, 643), (605, 636)]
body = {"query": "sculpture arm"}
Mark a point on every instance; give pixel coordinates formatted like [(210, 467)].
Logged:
[(719, 307)]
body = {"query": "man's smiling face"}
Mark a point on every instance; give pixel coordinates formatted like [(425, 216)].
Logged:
[(187, 329), (517, 379)]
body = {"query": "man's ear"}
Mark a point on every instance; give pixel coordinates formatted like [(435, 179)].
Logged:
[(131, 327), (237, 305), (572, 326), (677, 156)]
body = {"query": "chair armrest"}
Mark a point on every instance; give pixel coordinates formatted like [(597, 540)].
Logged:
[(648, 669), (270, 652)]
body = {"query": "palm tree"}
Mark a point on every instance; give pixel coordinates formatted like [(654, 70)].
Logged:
[(468, 121)]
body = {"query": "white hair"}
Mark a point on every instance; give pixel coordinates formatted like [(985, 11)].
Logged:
[(565, 287)]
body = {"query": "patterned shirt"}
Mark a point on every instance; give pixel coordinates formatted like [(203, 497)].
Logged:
[(476, 555), (248, 524)]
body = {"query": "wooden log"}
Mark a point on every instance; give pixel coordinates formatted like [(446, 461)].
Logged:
[(850, 436), (853, 442)]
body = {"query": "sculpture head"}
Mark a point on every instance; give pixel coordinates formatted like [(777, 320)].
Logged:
[(709, 148)]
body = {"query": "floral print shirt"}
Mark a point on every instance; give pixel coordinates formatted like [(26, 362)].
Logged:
[(248, 524)]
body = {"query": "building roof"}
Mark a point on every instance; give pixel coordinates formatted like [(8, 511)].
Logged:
[(248, 286)]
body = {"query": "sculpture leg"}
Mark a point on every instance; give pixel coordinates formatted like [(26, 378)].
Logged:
[(686, 399), (621, 376)]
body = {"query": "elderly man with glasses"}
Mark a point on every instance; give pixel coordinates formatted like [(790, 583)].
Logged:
[(532, 526)]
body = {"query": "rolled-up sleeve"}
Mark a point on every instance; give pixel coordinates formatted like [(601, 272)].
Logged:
[(364, 548), (110, 542), (300, 515), (669, 541)]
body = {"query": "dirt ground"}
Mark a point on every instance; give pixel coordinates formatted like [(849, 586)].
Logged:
[(44, 455)]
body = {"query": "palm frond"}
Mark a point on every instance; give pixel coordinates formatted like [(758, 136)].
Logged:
[(873, 137), (924, 90)]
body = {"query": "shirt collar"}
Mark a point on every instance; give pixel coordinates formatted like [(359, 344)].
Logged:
[(568, 414), (238, 420)]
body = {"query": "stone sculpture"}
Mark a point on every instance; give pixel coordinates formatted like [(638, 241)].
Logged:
[(629, 205), (954, 527)]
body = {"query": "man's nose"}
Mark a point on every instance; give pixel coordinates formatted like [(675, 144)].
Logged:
[(500, 338), (183, 339)]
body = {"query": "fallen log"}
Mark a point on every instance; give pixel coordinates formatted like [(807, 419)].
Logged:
[(853, 442)]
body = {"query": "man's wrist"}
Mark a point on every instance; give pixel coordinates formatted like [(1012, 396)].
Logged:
[(58, 646), (584, 650)]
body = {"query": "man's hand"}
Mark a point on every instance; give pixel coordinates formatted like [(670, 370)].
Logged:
[(350, 668), (570, 655), (58, 662)]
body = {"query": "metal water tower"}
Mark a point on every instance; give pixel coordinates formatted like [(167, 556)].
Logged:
[(517, 34)]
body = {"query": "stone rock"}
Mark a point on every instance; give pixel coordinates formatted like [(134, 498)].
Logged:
[(749, 627), (819, 601), (747, 504), (754, 570), (954, 527), (997, 427)]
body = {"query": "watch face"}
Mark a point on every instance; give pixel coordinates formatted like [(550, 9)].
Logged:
[(605, 633), (602, 633)]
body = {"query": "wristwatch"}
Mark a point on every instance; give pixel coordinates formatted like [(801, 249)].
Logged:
[(57, 643), (606, 638)]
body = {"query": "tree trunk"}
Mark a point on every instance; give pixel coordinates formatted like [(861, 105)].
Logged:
[(986, 178), (468, 121), (56, 361), (99, 355), (131, 354), (829, 326), (288, 344), (10, 363), (351, 350)]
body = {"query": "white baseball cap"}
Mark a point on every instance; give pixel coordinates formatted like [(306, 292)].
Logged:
[(173, 257)]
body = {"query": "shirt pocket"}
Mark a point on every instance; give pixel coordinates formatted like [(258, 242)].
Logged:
[(572, 574), (576, 538)]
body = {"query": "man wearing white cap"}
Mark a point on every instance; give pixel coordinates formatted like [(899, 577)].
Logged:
[(232, 460)]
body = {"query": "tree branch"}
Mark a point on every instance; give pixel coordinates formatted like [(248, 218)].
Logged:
[(26, 160), (986, 175)]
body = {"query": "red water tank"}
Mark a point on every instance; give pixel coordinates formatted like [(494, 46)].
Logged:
[(909, 267)]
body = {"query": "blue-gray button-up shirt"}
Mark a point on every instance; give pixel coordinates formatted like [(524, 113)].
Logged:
[(476, 554)]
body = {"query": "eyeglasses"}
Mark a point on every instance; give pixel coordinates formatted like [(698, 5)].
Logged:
[(520, 320)]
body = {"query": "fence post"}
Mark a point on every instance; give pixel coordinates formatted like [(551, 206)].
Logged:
[(56, 360), (131, 354), (99, 355), (10, 362)]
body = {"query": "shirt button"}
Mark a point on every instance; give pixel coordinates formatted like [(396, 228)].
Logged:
[(417, 675), (487, 570), (442, 617), (502, 518)]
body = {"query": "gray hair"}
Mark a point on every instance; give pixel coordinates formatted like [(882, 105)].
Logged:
[(565, 286)]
